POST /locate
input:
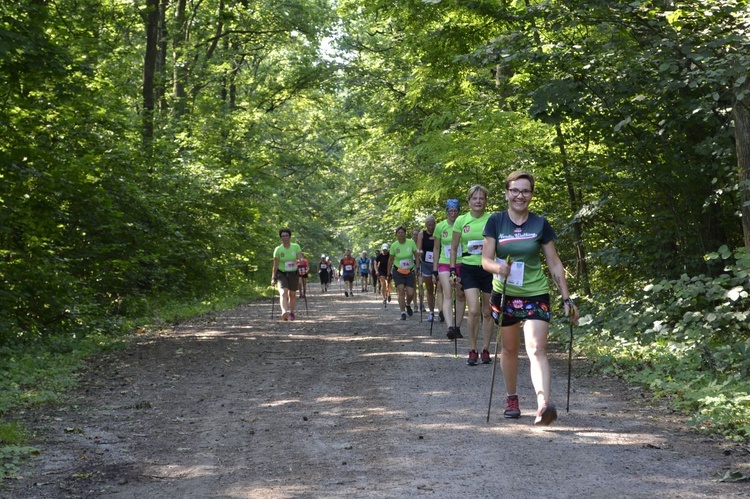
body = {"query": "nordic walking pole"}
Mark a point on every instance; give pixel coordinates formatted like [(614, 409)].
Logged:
[(432, 321), (497, 343), (455, 338), (570, 361), (421, 296), (307, 312), (273, 299)]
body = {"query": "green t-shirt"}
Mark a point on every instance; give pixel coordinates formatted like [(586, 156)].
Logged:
[(523, 243), (287, 257), (404, 255), (444, 231), (472, 237)]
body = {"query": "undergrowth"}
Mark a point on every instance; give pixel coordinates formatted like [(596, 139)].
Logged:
[(686, 339)]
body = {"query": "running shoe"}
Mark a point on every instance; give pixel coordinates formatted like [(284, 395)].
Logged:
[(409, 310), (384, 304), (346, 293), (389, 298), (451, 333), (511, 407), (486, 357), (291, 316), (430, 317), (457, 332), (441, 317), (546, 415), (285, 316), (473, 358), (403, 316)]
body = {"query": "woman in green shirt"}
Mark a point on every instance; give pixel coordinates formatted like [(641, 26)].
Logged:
[(477, 283), (520, 235)]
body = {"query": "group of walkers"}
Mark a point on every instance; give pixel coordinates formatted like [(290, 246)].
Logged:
[(488, 269)]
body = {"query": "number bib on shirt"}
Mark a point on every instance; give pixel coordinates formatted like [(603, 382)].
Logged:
[(516, 272), (475, 247)]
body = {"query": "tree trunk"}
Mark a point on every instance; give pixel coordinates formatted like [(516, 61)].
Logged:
[(161, 58), (149, 68), (582, 263), (180, 61), (742, 143)]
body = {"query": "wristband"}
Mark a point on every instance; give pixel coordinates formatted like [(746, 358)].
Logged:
[(434, 273), (569, 302), (453, 270)]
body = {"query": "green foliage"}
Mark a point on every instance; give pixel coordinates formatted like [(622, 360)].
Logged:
[(688, 339), (11, 458)]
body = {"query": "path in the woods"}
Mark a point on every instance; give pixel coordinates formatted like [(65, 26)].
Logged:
[(348, 401)]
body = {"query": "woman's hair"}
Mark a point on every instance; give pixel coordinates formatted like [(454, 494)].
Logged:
[(474, 188), (517, 175), (287, 230)]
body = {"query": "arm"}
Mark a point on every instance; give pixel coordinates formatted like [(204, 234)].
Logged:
[(557, 270), (275, 270), (454, 248), (436, 256), (488, 259)]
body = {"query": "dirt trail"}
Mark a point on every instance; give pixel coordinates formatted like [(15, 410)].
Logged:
[(348, 401)]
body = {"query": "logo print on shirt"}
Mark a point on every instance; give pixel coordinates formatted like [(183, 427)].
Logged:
[(467, 228)]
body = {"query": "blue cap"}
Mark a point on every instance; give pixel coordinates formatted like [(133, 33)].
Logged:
[(452, 203)]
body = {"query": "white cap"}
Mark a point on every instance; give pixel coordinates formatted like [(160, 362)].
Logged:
[(384, 247), (322, 256)]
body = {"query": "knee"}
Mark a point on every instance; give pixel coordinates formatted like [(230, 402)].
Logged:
[(511, 350), (536, 350)]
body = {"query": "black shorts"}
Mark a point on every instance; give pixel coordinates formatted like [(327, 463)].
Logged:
[(288, 280), (403, 279), (516, 309), (475, 277), (348, 277), (324, 277)]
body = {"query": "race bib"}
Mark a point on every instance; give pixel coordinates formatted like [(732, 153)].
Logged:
[(348, 268), (447, 251), (323, 266), (404, 264), (290, 266), (429, 257), (516, 272), (363, 267), (475, 247)]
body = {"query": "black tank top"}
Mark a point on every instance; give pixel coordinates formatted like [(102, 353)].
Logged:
[(428, 241)]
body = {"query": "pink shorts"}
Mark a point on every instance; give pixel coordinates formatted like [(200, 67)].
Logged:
[(445, 268)]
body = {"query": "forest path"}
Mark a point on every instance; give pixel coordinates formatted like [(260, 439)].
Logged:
[(348, 401)]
